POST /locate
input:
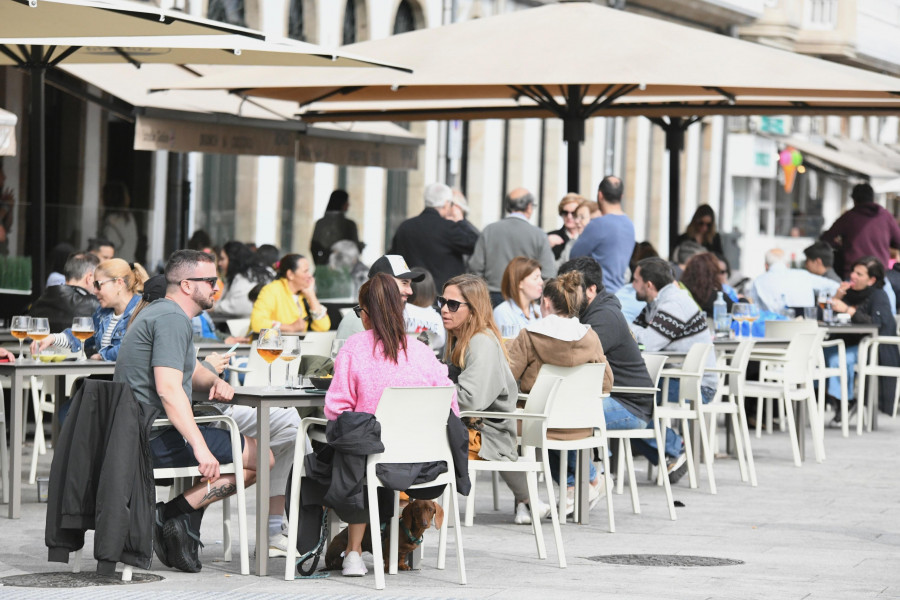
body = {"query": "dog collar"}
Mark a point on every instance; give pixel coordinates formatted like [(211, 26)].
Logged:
[(409, 535)]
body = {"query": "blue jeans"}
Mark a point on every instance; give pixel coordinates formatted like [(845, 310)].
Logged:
[(834, 383), (674, 441), (617, 417)]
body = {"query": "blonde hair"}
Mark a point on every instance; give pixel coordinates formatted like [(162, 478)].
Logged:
[(570, 198), (133, 274), (518, 269), (481, 318), (566, 293)]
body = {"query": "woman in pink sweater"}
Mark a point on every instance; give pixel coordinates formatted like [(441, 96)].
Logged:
[(380, 357)]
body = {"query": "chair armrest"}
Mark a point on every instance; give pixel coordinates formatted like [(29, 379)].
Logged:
[(219, 418), (678, 373), (728, 370), (624, 389), (485, 414), (832, 343)]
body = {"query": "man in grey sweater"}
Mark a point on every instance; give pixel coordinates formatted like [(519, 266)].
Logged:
[(504, 240)]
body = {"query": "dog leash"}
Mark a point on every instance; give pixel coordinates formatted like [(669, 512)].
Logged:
[(314, 555), (409, 535)]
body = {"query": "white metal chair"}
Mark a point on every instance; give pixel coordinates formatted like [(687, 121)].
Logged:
[(685, 410), (655, 364), (730, 401), (794, 384), (238, 327), (868, 366), (317, 343), (428, 408), (42, 402), (537, 407), (235, 467)]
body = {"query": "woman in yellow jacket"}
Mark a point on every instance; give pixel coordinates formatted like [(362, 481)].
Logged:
[(290, 301)]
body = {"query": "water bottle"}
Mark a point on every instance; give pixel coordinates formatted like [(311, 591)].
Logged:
[(720, 315), (828, 312)]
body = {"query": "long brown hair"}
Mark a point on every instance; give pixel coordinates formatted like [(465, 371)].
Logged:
[(518, 269), (381, 300), (566, 293), (704, 210), (481, 318), (701, 276)]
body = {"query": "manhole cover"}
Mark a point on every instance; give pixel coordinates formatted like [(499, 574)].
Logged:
[(665, 560), (73, 580)]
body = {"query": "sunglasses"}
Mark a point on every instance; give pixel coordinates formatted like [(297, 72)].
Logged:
[(567, 213), (210, 280), (99, 284), (358, 311), (453, 305)]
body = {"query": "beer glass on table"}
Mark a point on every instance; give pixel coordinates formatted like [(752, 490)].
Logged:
[(83, 329)]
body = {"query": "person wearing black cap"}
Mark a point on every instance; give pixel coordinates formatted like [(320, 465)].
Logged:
[(418, 319)]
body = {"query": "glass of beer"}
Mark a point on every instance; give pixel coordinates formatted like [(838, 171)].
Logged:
[(291, 353), (19, 330), (83, 329), (270, 346), (39, 329)]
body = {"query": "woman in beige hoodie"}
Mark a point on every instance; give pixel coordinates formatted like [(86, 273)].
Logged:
[(559, 339)]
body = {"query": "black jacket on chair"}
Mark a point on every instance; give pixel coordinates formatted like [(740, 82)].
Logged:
[(101, 478)]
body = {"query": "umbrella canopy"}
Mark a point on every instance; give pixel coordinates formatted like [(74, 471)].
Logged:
[(7, 133), (64, 18), (574, 61)]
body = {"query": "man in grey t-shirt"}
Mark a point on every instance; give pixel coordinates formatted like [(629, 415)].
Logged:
[(157, 359)]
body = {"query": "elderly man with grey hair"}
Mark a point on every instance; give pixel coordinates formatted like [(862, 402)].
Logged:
[(432, 240), (506, 239), (780, 286)]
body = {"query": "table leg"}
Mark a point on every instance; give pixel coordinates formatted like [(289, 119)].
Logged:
[(16, 424), (262, 491), (584, 476)]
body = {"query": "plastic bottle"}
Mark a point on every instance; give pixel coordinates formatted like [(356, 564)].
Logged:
[(720, 314)]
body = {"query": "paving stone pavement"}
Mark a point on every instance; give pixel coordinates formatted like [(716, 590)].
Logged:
[(829, 530)]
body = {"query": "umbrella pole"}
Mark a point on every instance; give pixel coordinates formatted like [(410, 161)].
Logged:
[(36, 175), (573, 134), (674, 144)]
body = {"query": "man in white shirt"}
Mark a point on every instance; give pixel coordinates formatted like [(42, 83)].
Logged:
[(419, 320), (781, 286)]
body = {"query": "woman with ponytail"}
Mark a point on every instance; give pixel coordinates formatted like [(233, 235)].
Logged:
[(559, 339), (118, 286)]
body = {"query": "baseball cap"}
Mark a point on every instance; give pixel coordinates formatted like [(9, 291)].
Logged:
[(395, 266), (155, 288)]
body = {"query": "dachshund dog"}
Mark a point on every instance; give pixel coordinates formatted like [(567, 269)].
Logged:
[(414, 520)]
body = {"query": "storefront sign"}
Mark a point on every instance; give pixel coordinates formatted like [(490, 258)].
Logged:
[(190, 136), (752, 156)]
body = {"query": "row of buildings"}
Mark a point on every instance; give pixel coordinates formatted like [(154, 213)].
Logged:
[(730, 163)]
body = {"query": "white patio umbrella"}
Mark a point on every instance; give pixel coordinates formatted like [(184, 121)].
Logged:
[(7, 133), (42, 34)]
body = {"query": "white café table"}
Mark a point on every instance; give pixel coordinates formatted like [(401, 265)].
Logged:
[(17, 372), (263, 398)]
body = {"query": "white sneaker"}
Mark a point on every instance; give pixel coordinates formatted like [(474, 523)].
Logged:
[(278, 545), (597, 492), (570, 500), (523, 512), (353, 565)]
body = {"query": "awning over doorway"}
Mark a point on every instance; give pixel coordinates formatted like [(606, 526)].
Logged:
[(7, 133), (846, 160), (222, 123)]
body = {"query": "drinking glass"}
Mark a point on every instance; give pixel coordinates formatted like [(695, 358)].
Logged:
[(39, 329), (270, 346), (739, 313), (19, 330), (752, 316), (291, 353), (83, 329), (810, 313)]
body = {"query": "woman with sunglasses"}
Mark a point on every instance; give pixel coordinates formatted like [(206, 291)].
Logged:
[(290, 302), (118, 286), (702, 229), (560, 339), (382, 356), (480, 366), (521, 288), (560, 240)]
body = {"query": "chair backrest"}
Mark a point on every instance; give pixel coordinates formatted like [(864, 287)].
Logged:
[(788, 329), (238, 327), (414, 424), (259, 369), (798, 355), (578, 401), (540, 401), (655, 364), (695, 361), (318, 342)]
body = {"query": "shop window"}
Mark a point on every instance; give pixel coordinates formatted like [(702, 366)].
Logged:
[(227, 11), (217, 199), (349, 35), (409, 17)]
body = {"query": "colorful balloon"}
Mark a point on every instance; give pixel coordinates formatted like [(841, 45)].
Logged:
[(796, 157), (784, 158)]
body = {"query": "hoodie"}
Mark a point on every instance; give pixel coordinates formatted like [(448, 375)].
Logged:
[(558, 341), (867, 229)]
